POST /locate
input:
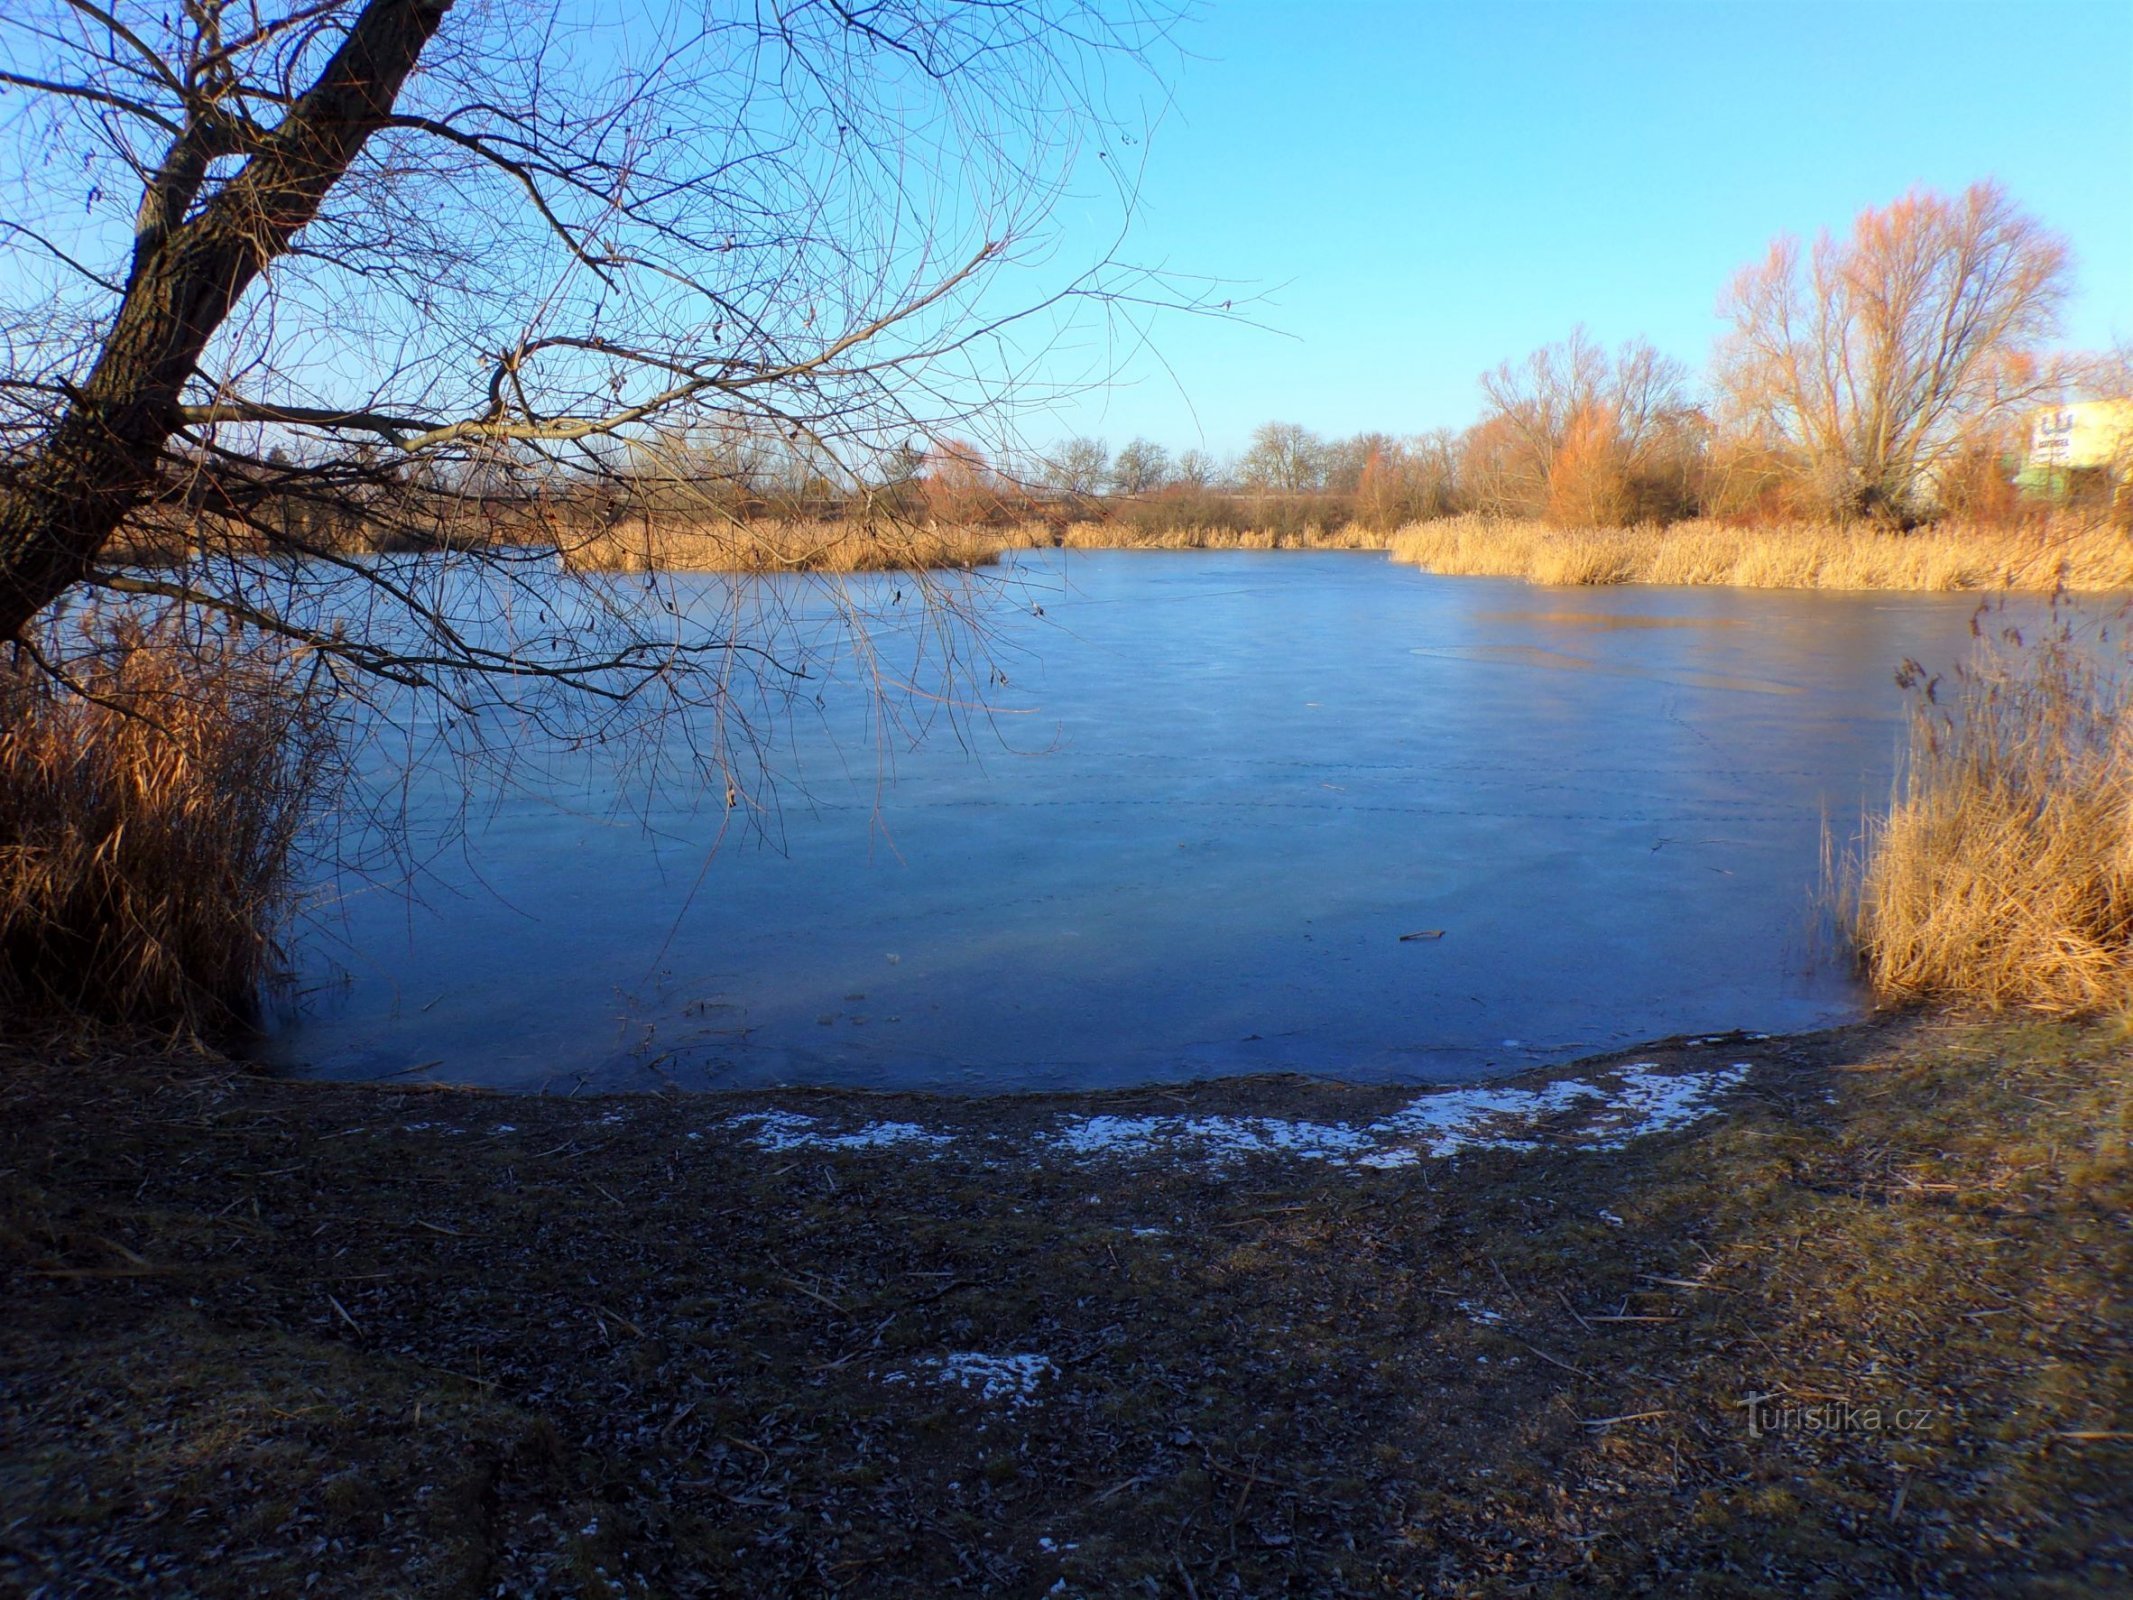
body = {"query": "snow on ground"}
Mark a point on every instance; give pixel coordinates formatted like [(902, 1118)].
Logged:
[(789, 1130), (1010, 1378), (1224, 1137), (1603, 1111)]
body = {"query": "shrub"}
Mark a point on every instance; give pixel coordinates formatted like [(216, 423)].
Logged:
[(149, 817)]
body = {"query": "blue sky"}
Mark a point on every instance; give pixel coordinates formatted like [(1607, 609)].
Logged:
[(1418, 191)]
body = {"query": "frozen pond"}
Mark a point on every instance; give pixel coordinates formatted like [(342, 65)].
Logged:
[(1225, 786)]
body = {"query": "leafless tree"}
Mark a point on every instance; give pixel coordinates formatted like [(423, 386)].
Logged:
[(1197, 469), (1078, 467), (1343, 461), (1142, 467), (1285, 458), (1875, 360), (1399, 481), (1575, 391), (2105, 374), (281, 285)]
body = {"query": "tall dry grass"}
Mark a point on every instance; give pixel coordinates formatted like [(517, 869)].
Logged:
[(678, 545), (148, 821), (1128, 535), (2061, 553), (2002, 876), (672, 544)]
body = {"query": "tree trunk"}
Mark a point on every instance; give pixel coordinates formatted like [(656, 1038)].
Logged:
[(99, 461)]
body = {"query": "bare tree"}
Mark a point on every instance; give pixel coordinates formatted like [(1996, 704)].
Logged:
[(1875, 360), (414, 269), (1344, 460), (1197, 469), (1402, 481), (2108, 375), (1625, 413), (1436, 456), (1533, 405), (1495, 469), (1079, 467), (1142, 467), (1284, 457), (958, 485)]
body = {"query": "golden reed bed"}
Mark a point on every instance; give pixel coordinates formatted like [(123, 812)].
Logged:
[(673, 546), (2060, 553)]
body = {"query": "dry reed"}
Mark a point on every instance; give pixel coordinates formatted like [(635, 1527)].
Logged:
[(709, 545), (148, 817), (2060, 553), (2002, 876), (672, 544), (1123, 535)]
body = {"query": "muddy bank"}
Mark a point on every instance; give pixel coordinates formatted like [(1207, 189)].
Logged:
[(1268, 1336)]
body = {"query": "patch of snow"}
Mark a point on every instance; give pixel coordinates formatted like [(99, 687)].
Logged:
[(1453, 1120), (789, 1130), (876, 1134), (1011, 1378), (1223, 1138), (1651, 1101), (1625, 1103)]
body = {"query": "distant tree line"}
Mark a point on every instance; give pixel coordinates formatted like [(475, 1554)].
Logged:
[(1888, 375)]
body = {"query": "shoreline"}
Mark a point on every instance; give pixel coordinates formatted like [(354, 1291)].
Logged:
[(1254, 1086), (439, 1341), (2061, 551)]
